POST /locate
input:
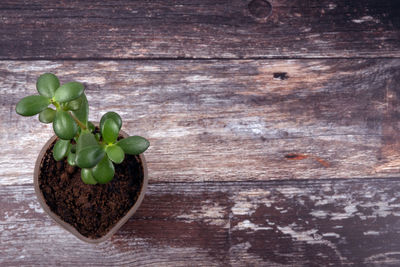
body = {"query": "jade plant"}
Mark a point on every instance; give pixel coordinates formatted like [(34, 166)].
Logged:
[(94, 151)]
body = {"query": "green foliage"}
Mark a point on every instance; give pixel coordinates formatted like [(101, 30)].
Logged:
[(87, 177), (82, 113), (134, 145), (68, 92), (47, 115), (60, 149), (32, 105), (110, 115), (110, 131), (104, 171), (94, 151), (91, 126), (86, 139), (71, 158), (75, 104), (64, 125), (88, 152), (47, 84), (115, 153)]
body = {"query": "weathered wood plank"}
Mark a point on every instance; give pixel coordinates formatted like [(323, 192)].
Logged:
[(226, 120), (299, 223), (199, 29)]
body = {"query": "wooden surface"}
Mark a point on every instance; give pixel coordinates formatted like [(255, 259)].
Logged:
[(199, 29), (310, 223), (275, 140)]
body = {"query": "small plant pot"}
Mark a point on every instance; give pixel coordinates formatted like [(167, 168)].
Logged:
[(113, 228)]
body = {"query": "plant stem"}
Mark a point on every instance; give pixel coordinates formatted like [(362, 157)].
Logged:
[(55, 104), (83, 126)]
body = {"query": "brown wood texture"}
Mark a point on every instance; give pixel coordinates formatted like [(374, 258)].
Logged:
[(296, 223), (274, 128), (226, 120), (199, 29)]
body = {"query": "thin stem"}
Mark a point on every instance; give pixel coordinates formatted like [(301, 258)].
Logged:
[(55, 104), (83, 126)]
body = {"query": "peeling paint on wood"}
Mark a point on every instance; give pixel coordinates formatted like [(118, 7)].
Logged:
[(298, 223)]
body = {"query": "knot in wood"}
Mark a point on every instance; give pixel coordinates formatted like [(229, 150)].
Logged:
[(260, 9)]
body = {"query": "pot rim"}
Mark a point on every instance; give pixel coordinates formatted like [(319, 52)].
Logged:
[(69, 227)]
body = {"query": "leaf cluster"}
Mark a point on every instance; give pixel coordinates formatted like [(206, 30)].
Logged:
[(66, 107)]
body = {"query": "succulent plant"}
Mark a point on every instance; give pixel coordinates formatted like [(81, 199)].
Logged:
[(66, 106)]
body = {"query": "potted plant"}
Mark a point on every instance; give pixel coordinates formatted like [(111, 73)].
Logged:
[(89, 179)]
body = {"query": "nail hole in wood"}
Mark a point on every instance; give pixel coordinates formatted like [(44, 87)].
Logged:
[(260, 9), (281, 75)]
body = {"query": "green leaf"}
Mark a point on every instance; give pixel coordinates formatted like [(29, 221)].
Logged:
[(110, 131), (71, 158), (111, 115), (47, 84), (134, 145), (87, 177), (47, 115), (115, 153), (83, 112), (91, 126), (64, 125), (32, 105), (89, 156), (75, 104), (60, 149), (68, 91), (104, 171), (73, 148), (88, 151), (98, 136), (86, 140)]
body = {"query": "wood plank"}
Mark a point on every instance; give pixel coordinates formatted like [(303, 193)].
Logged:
[(199, 29), (226, 120), (298, 223)]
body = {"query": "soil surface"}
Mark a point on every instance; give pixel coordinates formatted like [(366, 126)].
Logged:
[(92, 209)]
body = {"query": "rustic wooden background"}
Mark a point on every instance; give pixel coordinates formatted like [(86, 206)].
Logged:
[(274, 128)]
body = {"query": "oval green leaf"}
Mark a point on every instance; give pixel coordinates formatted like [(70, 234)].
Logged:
[(110, 131), (134, 145), (64, 125), (68, 91), (111, 115), (104, 171), (47, 115), (32, 105), (47, 84), (71, 158), (60, 149), (86, 140), (87, 177), (115, 153), (75, 104), (83, 112), (88, 157)]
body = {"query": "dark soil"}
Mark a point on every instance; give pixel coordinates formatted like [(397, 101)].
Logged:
[(91, 209)]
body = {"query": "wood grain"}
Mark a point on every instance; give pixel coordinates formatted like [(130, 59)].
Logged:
[(297, 223), (198, 29), (226, 120)]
